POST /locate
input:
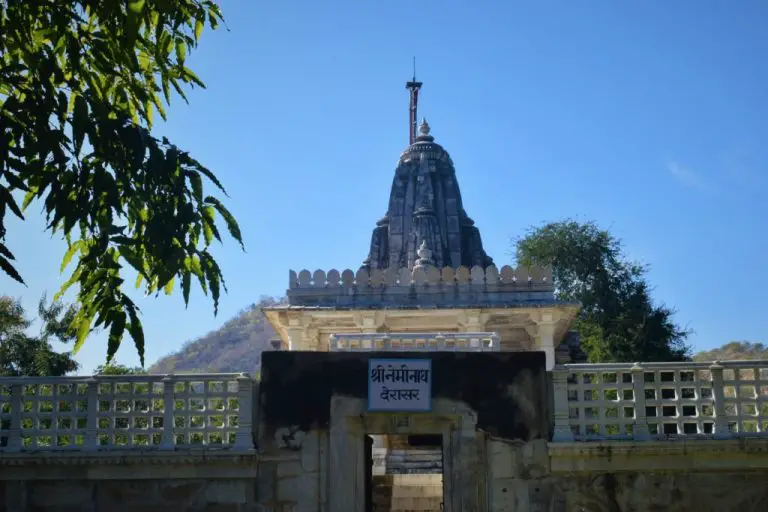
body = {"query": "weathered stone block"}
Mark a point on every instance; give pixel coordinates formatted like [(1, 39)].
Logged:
[(310, 448), (509, 495), (289, 468), (60, 494), (265, 487), (226, 492), (502, 458), (134, 492), (299, 490), (184, 491)]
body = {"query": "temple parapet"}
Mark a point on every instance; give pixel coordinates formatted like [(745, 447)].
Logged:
[(522, 278), (427, 285)]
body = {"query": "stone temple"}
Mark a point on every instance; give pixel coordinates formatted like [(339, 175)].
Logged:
[(428, 379)]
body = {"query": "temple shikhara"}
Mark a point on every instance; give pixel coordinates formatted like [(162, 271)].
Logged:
[(426, 273), (429, 378)]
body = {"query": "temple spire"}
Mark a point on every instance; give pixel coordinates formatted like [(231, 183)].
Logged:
[(413, 86), (425, 223)]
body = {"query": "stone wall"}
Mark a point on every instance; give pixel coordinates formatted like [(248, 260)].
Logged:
[(716, 476), (701, 476), (166, 495)]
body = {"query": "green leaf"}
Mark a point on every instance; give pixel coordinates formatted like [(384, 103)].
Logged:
[(197, 185), (9, 269), (199, 26), (135, 329), (79, 122), (83, 324), (116, 334), (7, 198), (71, 250), (186, 283), (229, 219), (181, 51), (168, 289)]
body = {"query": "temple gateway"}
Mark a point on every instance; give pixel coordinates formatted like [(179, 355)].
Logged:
[(428, 379)]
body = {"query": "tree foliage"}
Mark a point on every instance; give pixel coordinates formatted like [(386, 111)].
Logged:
[(80, 82), (115, 368), (25, 355), (618, 321)]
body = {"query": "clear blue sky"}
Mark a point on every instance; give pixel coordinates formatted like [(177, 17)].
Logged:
[(647, 117)]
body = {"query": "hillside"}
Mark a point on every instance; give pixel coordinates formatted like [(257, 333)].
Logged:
[(235, 347), (734, 351)]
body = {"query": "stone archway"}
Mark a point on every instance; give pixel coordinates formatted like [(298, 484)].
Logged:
[(350, 422)]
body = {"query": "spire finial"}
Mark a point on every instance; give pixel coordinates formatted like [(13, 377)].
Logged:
[(425, 256), (424, 127)]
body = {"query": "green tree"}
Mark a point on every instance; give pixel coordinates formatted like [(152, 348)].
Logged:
[(80, 82), (618, 321), (114, 368), (22, 354)]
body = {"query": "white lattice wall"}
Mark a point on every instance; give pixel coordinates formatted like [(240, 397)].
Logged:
[(661, 400), (126, 412)]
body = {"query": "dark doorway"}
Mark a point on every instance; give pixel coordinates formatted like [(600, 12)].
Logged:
[(404, 473)]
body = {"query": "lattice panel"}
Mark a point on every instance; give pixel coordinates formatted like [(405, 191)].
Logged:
[(54, 416), (124, 412), (718, 400), (679, 402), (601, 404), (746, 400), (130, 414), (5, 414), (206, 412)]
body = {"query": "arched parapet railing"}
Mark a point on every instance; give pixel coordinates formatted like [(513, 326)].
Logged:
[(522, 278), (424, 285), (661, 401)]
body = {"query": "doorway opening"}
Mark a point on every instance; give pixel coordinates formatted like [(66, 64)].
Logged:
[(404, 473)]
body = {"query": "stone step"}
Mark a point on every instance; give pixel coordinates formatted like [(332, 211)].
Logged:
[(416, 504), (407, 480)]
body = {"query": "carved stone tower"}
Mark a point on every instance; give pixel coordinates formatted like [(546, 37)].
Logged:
[(425, 208), (427, 279)]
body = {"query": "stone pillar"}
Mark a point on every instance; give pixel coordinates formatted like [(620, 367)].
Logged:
[(474, 321), (168, 442), (295, 338), (346, 453), (244, 435), (92, 420), (718, 393), (14, 434), (547, 339), (641, 432), (563, 432)]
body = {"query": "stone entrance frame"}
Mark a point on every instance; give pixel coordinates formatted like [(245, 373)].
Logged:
[(351, 421)]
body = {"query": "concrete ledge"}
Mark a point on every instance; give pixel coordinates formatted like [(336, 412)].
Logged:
[(129, 465), (652, 456)]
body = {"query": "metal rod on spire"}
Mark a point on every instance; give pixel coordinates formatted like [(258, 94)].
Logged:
[(413, 86)]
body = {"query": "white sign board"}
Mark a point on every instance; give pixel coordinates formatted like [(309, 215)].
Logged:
[(399, 385)]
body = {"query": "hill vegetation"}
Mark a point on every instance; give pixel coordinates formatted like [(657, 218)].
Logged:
[(734, 351), (234, 347)]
